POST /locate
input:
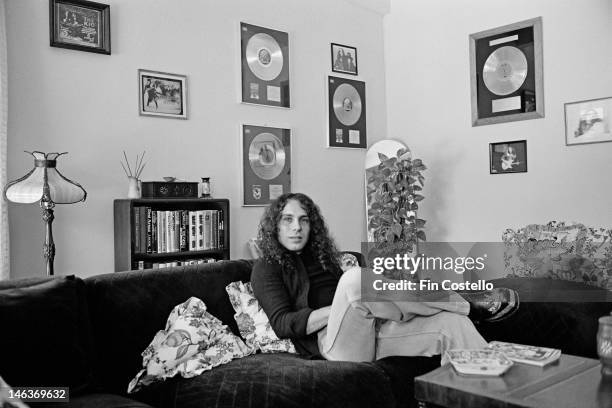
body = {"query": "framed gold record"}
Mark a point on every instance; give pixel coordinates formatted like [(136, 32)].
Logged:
[(506, 73), (266, 164), (346, 113), (264, 57)]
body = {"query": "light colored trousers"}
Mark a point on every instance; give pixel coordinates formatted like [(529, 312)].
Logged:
[(366, 331)]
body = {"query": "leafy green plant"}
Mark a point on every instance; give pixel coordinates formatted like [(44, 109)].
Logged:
[(394, 192)]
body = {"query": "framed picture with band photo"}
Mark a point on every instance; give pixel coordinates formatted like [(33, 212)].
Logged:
[(80, 25), (508, 157), (344, 59)]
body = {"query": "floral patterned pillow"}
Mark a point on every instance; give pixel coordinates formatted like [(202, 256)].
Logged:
[(347, 261), (252, 321), (560, 251), (193, 341)]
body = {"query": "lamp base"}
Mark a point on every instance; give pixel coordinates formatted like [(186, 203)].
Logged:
[(49, 246)]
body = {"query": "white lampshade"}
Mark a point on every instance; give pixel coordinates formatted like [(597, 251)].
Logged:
[(31, 188)]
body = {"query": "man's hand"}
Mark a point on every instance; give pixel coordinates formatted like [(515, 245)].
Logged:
[(317, 319)]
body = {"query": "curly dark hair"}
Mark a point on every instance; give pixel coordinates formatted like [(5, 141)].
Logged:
[(320, 245)]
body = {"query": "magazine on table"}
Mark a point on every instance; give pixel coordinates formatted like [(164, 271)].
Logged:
[(521, 353)]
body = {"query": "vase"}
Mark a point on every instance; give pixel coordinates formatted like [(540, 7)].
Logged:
[(133, 187), (604, 344)]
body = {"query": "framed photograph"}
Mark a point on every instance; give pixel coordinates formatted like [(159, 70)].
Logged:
[(264, 58), (507, 82), (344, 59), (346, 105), (508, 157), (266, 164), (588, 121), (80, 25), (162, 94)]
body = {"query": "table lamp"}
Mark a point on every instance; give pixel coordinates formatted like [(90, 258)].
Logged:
[(47, 185)]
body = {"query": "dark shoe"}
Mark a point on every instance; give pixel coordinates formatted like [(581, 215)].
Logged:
[(493, 305)]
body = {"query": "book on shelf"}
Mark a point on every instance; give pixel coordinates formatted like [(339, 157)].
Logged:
[(143, 230), (137, 230), (183, 230), (200, 230), (482, 362), (193, 230), (522, 353), (152, 235)]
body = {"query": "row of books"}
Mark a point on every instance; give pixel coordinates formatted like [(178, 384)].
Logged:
[(499, 356), (140, 265), (158, 232)]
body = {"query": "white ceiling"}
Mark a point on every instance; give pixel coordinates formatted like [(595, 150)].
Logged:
[(380, 6)]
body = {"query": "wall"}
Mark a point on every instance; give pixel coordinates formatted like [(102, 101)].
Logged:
[(428, 100), (86, 104)]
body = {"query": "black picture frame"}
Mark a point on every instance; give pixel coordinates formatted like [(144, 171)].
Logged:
[(264, 63), (506, 73), (162, 94), (266, 164), (346, 113), (342, 59), (508, 157), (80, 25)]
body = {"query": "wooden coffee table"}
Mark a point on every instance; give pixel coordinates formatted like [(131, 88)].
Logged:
[(571, 381)]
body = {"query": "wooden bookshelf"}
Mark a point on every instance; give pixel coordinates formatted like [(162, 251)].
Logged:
[(129, 251)]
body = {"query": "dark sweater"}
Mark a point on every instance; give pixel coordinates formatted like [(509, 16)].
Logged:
[(286, 299)]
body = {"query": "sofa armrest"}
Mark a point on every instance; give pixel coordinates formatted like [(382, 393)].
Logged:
[(552, 313)]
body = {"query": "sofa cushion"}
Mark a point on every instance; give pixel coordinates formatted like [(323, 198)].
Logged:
[(46, 336), (552, 313), (128, 308), (192, 342), (253, 322), (284, 380)]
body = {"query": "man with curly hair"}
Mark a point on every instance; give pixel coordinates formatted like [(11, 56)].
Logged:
[(308, 299)]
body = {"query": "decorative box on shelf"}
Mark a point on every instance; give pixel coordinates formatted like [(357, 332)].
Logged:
[(169, 189), (158, 232)]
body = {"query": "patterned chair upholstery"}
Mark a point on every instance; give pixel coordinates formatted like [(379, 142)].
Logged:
[(559, 250)]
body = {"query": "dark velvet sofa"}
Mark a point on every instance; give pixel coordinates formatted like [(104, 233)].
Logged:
[(88, 334)]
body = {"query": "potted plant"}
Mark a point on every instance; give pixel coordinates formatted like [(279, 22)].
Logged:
[(394, 192)]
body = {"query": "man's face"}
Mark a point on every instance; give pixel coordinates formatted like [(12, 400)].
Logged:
[(293, 227)]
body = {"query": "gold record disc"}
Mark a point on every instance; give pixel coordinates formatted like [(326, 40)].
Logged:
[(264, 56), (267, 156), (347, 104), (505, 70)]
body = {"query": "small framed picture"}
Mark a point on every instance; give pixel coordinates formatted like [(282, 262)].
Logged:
[(344, 59), (508, 157), (80, 25), (162, 94), (588, 121)]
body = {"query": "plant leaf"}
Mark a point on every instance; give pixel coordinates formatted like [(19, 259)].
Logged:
[(421, 235), (397, 229), (382, 157)]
